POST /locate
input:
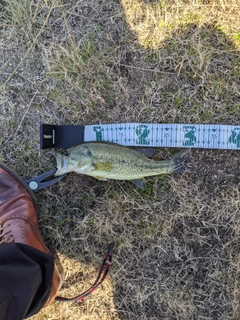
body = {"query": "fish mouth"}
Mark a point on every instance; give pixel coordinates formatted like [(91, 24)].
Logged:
[(62, 165)]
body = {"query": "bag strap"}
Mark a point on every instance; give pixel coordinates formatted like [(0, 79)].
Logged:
[(107, 261)]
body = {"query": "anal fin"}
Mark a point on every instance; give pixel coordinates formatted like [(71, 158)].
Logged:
[(140, 183)]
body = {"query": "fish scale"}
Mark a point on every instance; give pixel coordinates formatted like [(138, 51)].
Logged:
[(118, 157), (110, 161)]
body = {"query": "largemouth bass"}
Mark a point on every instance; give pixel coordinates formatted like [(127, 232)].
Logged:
[(112, 161)]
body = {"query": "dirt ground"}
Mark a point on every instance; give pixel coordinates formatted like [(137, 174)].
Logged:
[(76, 62)]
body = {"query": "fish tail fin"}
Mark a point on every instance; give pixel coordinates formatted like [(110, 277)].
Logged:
[(182, 161)]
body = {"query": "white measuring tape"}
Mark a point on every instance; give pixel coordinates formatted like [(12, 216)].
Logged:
[(214, 136)]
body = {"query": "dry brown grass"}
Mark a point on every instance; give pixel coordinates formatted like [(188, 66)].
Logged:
[(82, 62)]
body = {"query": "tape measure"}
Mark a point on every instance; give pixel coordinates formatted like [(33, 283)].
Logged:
[(210, 136)]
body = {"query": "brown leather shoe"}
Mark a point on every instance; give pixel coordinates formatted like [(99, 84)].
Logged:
[(18, 219)]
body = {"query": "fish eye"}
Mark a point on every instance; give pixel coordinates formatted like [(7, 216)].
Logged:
[(66, 153)]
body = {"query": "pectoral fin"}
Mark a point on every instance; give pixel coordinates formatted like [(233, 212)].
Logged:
[(140, 183), (103, 166)]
